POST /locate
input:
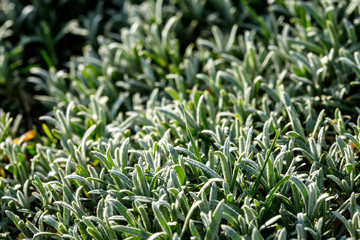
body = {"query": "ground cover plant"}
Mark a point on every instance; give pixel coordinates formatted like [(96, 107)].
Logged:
[(172, 119)]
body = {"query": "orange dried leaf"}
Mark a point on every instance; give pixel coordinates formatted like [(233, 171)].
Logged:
[(25, 137)]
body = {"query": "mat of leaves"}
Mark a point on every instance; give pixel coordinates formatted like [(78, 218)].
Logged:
[(195, 119)]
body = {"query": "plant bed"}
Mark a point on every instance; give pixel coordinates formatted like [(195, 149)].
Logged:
[(196, 119)]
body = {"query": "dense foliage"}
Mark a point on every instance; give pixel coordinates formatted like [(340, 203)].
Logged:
[(179, 119)]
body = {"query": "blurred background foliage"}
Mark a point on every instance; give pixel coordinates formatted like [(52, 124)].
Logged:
[(46, 34), (308, 39)]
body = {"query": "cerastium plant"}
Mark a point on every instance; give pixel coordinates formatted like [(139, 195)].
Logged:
[(196, 119)]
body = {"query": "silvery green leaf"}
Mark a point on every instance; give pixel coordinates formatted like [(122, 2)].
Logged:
[(203, 167)]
